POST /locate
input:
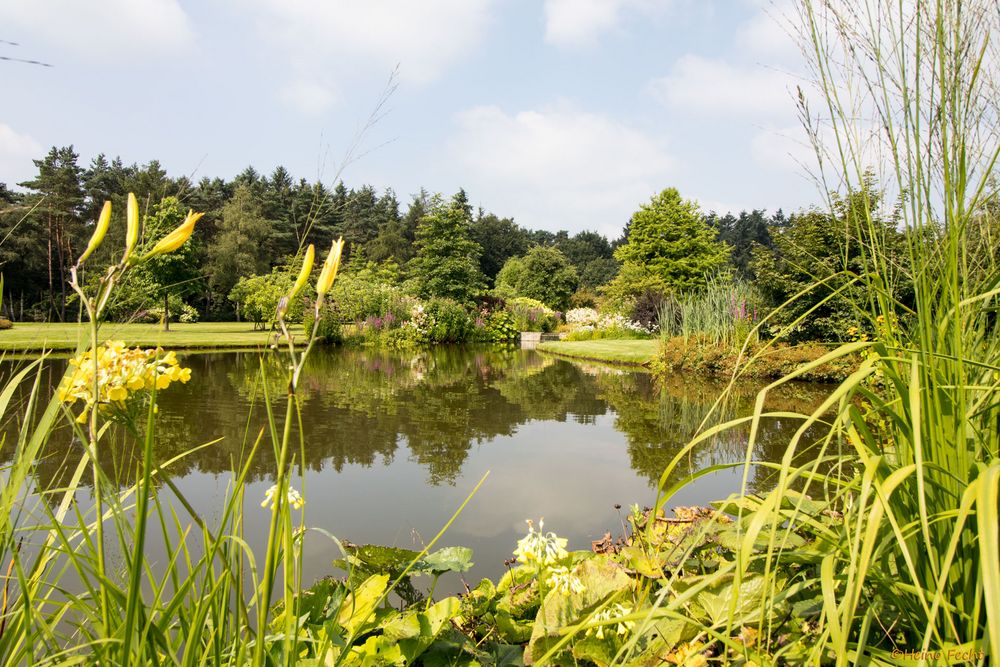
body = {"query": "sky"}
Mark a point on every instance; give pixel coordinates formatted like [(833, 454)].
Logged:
[(563, 114)]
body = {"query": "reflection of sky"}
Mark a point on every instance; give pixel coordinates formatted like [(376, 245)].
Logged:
[(571, 474), (391, 456)]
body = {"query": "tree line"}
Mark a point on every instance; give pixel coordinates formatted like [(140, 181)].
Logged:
[(432, 246), (253, 223)]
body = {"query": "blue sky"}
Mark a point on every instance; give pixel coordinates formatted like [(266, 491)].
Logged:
[(564, 114)]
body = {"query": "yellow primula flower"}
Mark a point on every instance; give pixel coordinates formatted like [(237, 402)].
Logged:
[(565, 582), (607, 616), (539, 547), (295, 499)]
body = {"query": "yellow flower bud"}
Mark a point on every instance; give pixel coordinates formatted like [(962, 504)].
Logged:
[(176, 238), (330, 267), (132, 228), (99, 231), (307, 267)]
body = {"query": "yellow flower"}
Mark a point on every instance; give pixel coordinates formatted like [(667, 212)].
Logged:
[(607, 616), (121, 373), (688, 654), (564, 581), (176, 238), (330, 267), (539, 547), (304, 272), (99, 231), (132, 226)]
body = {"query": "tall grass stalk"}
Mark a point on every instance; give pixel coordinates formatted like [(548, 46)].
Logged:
[(723, 312), (910, 566)]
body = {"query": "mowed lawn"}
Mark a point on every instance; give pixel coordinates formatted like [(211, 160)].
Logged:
[(34, 337), (635, 352)]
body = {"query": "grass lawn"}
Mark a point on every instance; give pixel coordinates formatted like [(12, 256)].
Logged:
[(32, 337), (634, 352)]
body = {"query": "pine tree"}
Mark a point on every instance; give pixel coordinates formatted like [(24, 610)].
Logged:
[(59, 203), (447, 259), (670, 247)]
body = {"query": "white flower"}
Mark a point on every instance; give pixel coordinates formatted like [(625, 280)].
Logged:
[(295, 499), (564, 581), (542, 548), (615, 611), (581, 316)]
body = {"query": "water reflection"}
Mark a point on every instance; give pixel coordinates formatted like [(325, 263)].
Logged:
[(395, 440), (366, 407)]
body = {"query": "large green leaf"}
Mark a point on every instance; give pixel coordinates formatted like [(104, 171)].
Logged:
[(358, 607), (601, 578), (448, 559)]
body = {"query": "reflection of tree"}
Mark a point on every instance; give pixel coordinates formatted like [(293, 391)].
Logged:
[(554, 390), (359, 406), (660, 418)]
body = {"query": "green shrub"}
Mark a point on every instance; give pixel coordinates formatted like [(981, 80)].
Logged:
[(328, 329), (358, 298), (495, 327), (257, 298), (451, 322), (532, 315)]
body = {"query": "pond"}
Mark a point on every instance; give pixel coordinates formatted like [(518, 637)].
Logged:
[(394, 441)]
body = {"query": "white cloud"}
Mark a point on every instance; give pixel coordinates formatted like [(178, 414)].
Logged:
[(579, 22), (16, 153), (771, 32), (784, 148), (705, 85), (309, 97), (558, 168), (98, 30), (424, 37)]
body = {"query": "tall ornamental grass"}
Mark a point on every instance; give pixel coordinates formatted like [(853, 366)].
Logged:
[(899, 505), (723, 312)]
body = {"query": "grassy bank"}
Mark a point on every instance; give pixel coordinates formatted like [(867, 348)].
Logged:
[(632, 352), (33, 337), (706, 358)]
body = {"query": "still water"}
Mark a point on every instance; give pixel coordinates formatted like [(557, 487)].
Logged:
[(394, 441)]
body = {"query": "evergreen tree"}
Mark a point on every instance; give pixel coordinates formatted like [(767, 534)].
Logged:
[(500, 239), (241, 245), (447, 259), (833, 247), (670, 247), (591, 255), (742, 234), (58, 202), (277, 207)]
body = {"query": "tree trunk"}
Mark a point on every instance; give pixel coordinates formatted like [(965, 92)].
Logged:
[(166, 310), (52, 294)]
